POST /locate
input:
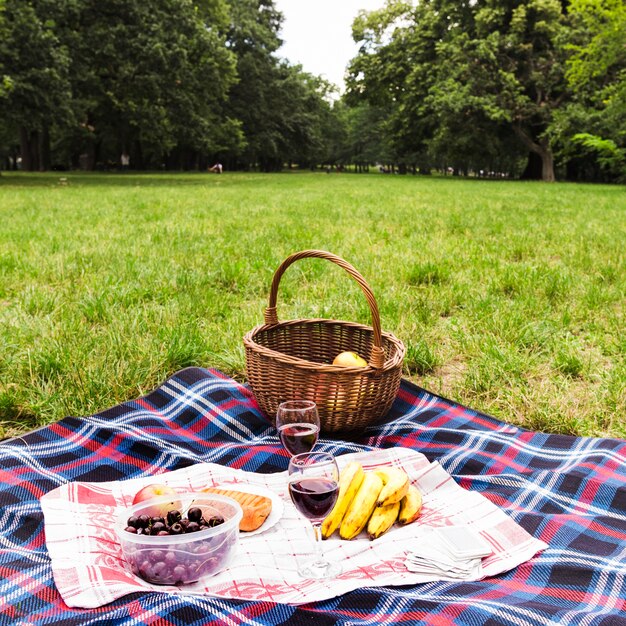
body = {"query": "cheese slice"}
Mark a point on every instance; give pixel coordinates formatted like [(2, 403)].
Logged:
[(256, 508)]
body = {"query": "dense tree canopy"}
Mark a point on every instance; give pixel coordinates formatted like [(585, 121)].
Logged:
[(596, 73), (37, 88), (477, 83), (158, 81), (120, 75), (462, 78), (282, 109), (532, 88)]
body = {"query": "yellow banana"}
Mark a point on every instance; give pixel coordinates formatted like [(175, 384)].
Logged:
[(361, 507), (396, 484), (382, 519), (410, 506), (350, 480)]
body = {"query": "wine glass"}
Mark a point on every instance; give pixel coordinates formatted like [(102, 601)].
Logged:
[(298, 425), (314, 487)]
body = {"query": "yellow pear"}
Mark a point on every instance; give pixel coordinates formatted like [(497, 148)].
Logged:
[(349, 359)]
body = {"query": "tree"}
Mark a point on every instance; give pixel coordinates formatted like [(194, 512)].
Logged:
[(335, 132), (306, 116), (35, 68), (285, 112), (377, 84), (367, 137), (595, 122), (253, 37), (4, 79), (120, 75), (444, 66), (599, 57), (146, 82)]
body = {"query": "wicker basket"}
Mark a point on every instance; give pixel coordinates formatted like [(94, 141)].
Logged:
[(292, 360)]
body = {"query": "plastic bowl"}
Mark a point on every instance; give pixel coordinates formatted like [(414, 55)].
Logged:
[(186, 558)]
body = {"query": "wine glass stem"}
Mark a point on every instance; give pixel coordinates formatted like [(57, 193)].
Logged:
[(317, 532)]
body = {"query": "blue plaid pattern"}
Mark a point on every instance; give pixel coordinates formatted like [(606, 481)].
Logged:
[(569, 492)]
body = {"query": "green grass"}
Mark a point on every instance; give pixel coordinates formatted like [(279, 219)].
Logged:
[(509, 296)]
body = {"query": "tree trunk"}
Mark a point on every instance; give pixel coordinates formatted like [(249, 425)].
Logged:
[(533, 168), (137, 156), (26, 150), (542, 149), (44, 150), (547, 166), (34, 151), (89, 162)]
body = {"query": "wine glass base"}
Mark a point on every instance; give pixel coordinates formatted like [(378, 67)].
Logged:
[(320, 569)]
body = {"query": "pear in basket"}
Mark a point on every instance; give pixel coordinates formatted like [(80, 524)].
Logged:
[(350, 359), (333, 396)]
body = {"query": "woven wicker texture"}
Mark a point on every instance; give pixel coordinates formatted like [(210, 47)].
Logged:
[(292, 360)]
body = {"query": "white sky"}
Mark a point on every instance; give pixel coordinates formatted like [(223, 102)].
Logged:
[(318, 34)]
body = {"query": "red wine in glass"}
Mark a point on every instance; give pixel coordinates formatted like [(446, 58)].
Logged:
[(314, 487), (299, 437), (314, 497), (298, 425)]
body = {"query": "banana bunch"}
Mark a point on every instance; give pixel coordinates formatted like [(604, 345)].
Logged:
[(374, 499)]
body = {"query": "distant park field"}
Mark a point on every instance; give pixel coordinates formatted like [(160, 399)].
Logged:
[(509, 296)]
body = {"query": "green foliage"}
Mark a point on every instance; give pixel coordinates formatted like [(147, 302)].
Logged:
[(285, 113), (366, 137), (599, 46), (155, 80), (608, 154), (596, 71), (453, 73), (34, 64), (90, 80), (486, 86), (475, 85)]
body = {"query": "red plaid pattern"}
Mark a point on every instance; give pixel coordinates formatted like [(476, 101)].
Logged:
[(566, 491)]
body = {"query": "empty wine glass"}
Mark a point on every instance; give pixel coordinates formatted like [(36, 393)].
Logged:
[(314, 487), (298, 425)]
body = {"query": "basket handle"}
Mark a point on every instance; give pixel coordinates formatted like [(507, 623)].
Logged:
[(377, 357)]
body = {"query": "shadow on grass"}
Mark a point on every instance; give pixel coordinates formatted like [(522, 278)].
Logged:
[(114, 179), (186, 179)]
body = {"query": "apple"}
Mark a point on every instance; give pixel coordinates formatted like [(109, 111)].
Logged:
[(350, 359), (158, 490)]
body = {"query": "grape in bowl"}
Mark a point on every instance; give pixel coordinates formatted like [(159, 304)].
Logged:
[(198, 538)]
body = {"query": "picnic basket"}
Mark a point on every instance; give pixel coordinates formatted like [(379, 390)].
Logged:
[(292, 360)]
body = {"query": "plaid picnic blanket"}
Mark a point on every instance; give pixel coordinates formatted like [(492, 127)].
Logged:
[(569, 492)]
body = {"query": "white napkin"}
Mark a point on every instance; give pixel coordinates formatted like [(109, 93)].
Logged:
[(449, 552)]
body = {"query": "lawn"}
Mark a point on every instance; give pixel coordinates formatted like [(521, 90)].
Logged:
[(508, 295)]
